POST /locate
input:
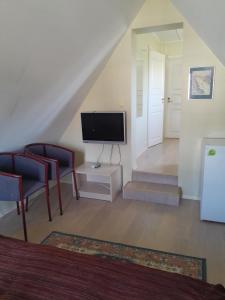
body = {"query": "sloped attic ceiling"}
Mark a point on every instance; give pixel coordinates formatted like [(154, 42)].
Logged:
[(50, 53), (207, 18)]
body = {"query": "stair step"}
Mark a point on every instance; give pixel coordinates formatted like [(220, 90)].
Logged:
[(154, 177), (152, 192)]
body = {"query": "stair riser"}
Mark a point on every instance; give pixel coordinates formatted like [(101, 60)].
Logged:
[(154, 178), (153, 197)]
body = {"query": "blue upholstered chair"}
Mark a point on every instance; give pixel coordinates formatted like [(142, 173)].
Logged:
[(20, 177), (60, 162)]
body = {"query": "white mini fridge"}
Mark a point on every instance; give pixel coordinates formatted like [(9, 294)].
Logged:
[(213, 180)]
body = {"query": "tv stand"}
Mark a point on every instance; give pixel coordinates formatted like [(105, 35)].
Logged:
[(103, 183)]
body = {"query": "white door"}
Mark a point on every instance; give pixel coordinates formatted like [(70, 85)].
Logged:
[(174, 71), (156, 98)]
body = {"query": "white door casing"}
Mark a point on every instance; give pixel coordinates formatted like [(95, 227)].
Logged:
[(174, 71), (141, 101), (156, 98)]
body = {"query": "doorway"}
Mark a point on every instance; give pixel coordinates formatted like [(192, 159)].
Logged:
[(157, 117)]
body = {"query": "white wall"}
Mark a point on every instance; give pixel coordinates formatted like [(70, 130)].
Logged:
[(172, 48), (199, 118), (207, 18), (114, 90), (110, 92)]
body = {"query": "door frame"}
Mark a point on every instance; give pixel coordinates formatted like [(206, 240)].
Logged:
[(134, 32), (144, 117)]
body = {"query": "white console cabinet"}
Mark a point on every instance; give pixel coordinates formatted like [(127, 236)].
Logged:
[(102, 183)]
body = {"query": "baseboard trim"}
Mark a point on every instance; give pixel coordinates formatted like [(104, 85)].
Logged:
[(191, 197)]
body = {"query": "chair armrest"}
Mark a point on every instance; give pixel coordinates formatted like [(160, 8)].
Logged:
[(31, 167), (52, 163), (10, 187)]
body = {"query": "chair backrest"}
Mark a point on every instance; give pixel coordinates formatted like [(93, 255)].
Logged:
[(37, 149), (64, 156), (7, 162), (57, 153), (30, 167)]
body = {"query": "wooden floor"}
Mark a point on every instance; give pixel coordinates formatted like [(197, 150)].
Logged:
[(162, 158), (136, 223)]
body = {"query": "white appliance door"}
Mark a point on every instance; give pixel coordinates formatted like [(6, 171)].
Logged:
[(213, 184), (156, 98)]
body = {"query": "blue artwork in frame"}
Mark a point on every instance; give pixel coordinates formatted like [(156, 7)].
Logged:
[(201, 83)]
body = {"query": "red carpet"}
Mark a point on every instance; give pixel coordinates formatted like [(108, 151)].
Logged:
[(29, 271)]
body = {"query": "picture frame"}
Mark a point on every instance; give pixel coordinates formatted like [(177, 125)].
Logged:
[(201, 83)]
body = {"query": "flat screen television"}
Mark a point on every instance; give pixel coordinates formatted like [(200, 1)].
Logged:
[(104, 127)]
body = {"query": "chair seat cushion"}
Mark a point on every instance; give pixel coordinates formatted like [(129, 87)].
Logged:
[(30, 186)]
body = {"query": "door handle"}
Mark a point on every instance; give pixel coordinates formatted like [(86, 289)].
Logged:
[(169, 100), (163, 100)]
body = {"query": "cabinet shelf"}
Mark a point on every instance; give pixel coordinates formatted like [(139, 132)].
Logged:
[(103, 183)]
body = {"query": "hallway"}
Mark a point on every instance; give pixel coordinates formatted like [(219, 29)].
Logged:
[(162, 158)]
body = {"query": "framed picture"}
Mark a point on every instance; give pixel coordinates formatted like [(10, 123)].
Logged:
[(201, 83)]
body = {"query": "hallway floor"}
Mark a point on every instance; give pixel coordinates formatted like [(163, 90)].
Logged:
[(159, 227), (162, 158)]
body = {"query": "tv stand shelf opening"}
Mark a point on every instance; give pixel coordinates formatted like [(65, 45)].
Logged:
[(103, 183)]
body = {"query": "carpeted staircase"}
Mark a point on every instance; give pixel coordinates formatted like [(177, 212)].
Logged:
[(151, 187)]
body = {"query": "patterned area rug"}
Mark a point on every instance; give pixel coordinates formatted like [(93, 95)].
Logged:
[(185, 265)]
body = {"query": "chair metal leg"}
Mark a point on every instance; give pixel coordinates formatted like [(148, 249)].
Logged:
[(24, 219), (27, 202), (18, 207), (59, 193), (48, 202), (74, 183)]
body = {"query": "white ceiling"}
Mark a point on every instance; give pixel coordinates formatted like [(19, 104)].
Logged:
[(170, 35), (207, 19), (51, 51)]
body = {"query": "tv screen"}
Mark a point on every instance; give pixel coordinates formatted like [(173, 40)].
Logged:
[(104, 127)]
